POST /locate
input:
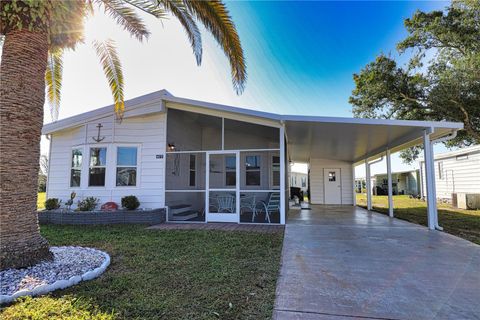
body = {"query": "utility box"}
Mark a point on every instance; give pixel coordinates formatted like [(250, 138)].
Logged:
[(468, 200), (473, 201)]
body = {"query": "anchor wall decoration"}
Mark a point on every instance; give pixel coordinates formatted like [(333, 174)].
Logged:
[(97, 138)]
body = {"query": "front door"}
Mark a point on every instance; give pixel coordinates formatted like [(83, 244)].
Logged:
[(222, 187), (332, 186)]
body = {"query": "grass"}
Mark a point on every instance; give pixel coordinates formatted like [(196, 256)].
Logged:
[(165, 274), (461, 223), (41, 197)]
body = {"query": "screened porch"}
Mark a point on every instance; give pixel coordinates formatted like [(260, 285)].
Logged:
[(221, 170)]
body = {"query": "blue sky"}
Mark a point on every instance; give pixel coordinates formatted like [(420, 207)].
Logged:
[(303, 54), (300, 56)]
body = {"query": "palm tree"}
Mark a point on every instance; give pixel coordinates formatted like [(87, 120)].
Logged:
[(35, 33)]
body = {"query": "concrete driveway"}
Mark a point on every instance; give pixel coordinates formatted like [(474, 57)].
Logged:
[(349, 263)]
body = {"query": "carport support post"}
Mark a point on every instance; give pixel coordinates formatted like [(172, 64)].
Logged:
[(283, 176), (429, 179), (390, 189), (368, 185)]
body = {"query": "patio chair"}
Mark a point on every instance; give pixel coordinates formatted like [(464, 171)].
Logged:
[(225, 203), (249, 203), (272, 205)]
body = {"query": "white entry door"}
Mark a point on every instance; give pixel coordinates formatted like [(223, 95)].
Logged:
[(332, 186)]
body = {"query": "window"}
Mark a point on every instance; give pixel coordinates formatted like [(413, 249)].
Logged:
[(440, 170), (275, 171), (98, 163), (331, 176), (193, 168), (252, 172), (126, 166), (76, 168), (304, 182), (230, 171), (462, 157)]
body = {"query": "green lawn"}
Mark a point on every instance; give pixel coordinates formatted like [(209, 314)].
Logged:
[(41, 200), (461, 223), (165, 274)]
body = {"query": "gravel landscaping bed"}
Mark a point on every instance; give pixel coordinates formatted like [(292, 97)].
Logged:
[(70, 265)]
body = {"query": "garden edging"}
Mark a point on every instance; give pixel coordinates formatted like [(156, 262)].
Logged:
[(60, 284), (155, 216)]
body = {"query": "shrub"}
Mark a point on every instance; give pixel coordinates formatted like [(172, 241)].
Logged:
[(87, 204), (130, 202), (52, 203)]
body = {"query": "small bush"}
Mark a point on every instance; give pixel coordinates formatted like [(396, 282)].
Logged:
[(87, 204), (130, 202), (52, 203)]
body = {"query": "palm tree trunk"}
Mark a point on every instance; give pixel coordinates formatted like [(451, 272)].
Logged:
[(22, 95)]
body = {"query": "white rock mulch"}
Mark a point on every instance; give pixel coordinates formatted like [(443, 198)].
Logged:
[(70, 265)]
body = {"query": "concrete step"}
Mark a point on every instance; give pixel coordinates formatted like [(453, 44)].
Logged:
[(180, 208), (185, 215)]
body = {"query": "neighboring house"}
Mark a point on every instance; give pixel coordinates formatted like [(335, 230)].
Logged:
[(403, 182), (456, 172), (209, 162), (299, 180)]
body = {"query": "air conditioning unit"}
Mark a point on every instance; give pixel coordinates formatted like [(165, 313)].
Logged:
[(468, 200)]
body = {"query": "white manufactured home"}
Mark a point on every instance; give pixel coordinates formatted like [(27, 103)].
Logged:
[(456, 173), (404, 183), (299, 180), (207, 162)]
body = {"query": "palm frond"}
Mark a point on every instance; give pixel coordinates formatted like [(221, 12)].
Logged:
[(178, 9), (126, 17), (53, 81), (149, 6), (215, 17), (112, 68)]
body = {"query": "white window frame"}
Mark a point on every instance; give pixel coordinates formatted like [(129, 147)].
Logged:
[(116, 165), (272, 170), (229, 170), (94, 146), (259, 170), (440, 170), (82, 167)]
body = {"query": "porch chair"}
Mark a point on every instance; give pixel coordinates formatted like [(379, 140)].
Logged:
[(272, 205), (249, 203), (225, 203)]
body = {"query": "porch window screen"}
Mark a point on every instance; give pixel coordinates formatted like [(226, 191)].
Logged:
[(76, 168), (126, 166), (98, 163), (252, 170)]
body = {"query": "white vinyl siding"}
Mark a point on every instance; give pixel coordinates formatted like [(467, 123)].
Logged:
[(317, 181), (147, 133), (459, 173)]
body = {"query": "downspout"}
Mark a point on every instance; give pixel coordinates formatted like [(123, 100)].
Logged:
[(442, 139)]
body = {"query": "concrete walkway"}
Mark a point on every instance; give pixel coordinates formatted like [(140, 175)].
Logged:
[(348, 263)]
